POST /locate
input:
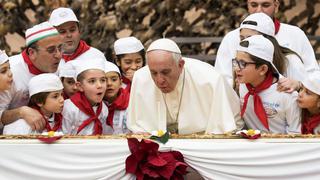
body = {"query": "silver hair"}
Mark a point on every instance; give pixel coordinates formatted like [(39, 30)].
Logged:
[(176, 57)]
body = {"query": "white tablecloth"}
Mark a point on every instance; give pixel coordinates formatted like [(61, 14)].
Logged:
[(213, 158)]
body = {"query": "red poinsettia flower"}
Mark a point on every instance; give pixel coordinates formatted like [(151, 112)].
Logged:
[(146, 162)]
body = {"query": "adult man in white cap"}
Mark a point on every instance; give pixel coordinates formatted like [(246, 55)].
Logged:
[(42, 55), (73, 48), (180, 95), (287, 35)]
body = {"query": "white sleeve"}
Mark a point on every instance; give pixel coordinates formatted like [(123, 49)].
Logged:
[(293, 114), (295, 68), (69, 117), (225, 54), (19, 127)]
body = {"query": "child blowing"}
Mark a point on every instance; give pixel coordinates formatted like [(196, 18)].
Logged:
[(309, 101), (85, 113), (117, 100), (263, 107), (45, 91)]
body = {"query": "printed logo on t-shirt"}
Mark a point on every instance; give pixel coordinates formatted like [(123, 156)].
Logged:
[(271, 109)]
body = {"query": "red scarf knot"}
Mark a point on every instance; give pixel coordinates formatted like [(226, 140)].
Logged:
[(57, 120), (258, 106), (81, 101), (120, 103)]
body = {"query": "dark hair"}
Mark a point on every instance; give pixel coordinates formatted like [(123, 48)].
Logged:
[(80, 76), (38, 98), (142, 53), (279, 59), (259, 62), (32, 46)]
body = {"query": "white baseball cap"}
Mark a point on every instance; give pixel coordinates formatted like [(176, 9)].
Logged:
[(67, 70), (258, 46), (259, 22), (62, 15), (164, 44), (40, 31), (111, 67), (46, 82), (3, 57), (127, 45), (83, 65), (312, 81)]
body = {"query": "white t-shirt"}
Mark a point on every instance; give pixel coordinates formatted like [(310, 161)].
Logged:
[(73, 117), (282, 110)]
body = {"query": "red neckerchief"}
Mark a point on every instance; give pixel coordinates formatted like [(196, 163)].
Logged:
[(127, 82), (32, 69), (121, 103), (83, 47), (57, 120), (258, 107), (276, 25), (310, 123), (81, 101)]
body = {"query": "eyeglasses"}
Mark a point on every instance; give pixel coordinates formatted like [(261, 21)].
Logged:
[(53, 49), (240, 63)]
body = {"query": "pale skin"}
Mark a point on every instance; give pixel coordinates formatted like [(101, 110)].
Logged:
[(269, 7), (46, 58)]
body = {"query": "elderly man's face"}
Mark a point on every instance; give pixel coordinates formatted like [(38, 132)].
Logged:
[(165, 71), (268, 7), (46, 57)]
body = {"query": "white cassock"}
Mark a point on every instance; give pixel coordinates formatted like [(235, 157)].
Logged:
[(281, 108), (208, 103), (73, 117), (21, 127)]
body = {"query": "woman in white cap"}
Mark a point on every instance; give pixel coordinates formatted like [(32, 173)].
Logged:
[(263, 107), (85, 113), (309, 101), (130, 56), (46, 97), (5, 72), (117, 100)]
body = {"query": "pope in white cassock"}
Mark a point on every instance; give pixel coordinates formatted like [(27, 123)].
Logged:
[(180, 95)]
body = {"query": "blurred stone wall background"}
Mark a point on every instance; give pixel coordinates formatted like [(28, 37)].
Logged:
[(102, 22)]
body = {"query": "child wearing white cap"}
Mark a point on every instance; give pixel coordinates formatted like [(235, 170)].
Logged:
[(46, 97), (85, 113), (68, 26), (130, 56), (117, 100), (67, 75), (5, 72), (263, 107), (309, 101)]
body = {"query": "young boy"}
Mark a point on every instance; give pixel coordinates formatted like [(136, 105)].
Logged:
[(46, 97), (67, 75), (5, 72), (263, 107), (117, 100), (85, 113)]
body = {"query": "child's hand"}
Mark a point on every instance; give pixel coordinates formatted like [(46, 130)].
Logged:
[(287, 85)]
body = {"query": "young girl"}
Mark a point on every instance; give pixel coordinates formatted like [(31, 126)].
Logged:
[(45, 91), (67, 75), (309, 101), (263, 107), (130, 56), (5, 72), (117, 100), (85, 113)]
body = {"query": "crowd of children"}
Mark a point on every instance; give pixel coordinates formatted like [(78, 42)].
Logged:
[(89, 95)]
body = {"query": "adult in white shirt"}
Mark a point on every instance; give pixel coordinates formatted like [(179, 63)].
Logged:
[(287, 35), (180, 95), (67, 24), (42, 55)]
